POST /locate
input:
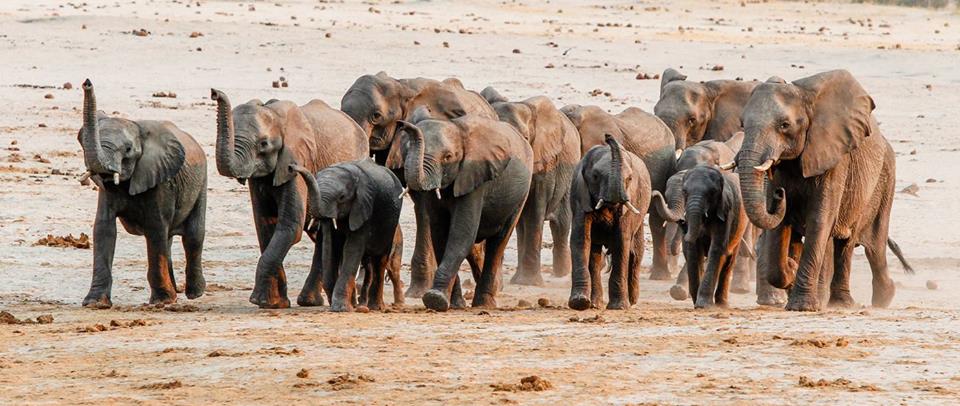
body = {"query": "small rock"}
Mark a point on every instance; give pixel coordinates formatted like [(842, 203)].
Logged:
[(48, 96), (7, 318), (45, 319), (276, 84), (523, 304), (932, 285), (516, 51), (931, 180), (67, 86), (543, 302), (446, 44), (303, 373), (911, 190), (327, 35)]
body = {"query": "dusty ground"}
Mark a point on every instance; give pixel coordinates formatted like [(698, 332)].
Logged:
[(661, 352)]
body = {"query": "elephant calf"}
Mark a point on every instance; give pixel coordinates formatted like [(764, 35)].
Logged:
[(358, 205), (710, 210), (153, 177), (609, 197)]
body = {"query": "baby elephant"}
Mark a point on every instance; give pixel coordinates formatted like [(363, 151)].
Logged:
[(358, 206), (153, 177), (609, 197), (710, 211)]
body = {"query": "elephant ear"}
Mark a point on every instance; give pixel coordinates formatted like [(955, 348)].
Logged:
[(362, 207), (670, 75), (297, 148), (841, 118), (485, 154), (162, 157)]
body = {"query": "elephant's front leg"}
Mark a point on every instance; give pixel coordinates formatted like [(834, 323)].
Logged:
[(345, 289), (619, 267), (694, 253), (158, 267), (663, 263), (312, 292), (529, 242), (580, 245), (774, 265), (104, 243), (279, 233), (804, 295), (424, 262), (717, 261), (462, 232)]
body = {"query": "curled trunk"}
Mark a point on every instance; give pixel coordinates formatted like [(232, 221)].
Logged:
[(414, 168), (694, 218), (616, 192), (754, 184), (93, 155), (313, 191), (674, 212), (227, 164)]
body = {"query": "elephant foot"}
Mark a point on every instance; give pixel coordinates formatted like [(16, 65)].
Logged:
[(678, 292), (398, 299), (376, 306), (660, 273), (802, 303), (579, 302), (775, 297), (161, 296), (341, 307), (883, 293), (435, 300), (740, 287), (265, 300), (178, 288), (458, 302), (618, 304), (484, 301), (703, 304), (416, 290), (95, 300), (196, 289), (841, 300), (310, 299), (527, 278)]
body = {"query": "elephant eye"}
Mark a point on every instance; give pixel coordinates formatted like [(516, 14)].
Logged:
[(264, 144), (376, 117), (129, 148), (784, 125), (692, 120)]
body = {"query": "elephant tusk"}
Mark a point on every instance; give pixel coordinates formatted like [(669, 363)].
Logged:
[(599, 203), (86, 176), (405, 191), (335, 226), (729, 165), (632, 208), (765, 166), (116, 178), (438, 193), (310, 223), (678, 153)]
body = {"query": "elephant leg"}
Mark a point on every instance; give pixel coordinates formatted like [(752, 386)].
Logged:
[(804, 294), (460, 234), (619, 263), (105, 237), (344, 292), (560, 233), (722, 296), (192, 241), (158, 272), (740, 278), (170, 271), (694, 252), (772, 245), (597, 264), (529, 242), (663, 264), (457, 301), (636, 256), (376, 268), (424, 262), (475, 260), (394, 266), (582, 256), (332, 256), (835, 281), (312, 292), (363, 294), (486, 293), (679, 289), (276, 235)]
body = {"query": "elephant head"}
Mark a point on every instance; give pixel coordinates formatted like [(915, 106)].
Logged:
[(122, 150), (376, 103), (698, 110), (464, 152), (338, 191), (256, 140), (817, 120), (604, 177)]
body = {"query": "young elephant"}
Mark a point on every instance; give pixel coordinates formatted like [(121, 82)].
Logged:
[(556, 150), (473, 175), (258, 141), (153, 177), (711, 212), (609, 197), (358, 206)]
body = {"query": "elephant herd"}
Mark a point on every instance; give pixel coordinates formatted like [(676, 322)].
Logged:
[(774, 179)]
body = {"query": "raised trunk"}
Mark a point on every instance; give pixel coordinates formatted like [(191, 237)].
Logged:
[(313, 191), (226, 147), (753, 184), (93, 154), (615, 190)]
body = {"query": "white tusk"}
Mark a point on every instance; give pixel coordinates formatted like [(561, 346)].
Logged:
[(406, 190), (310, 224), (765, 166), (438, 193), (633, 209), (116, 178), (599, 203), (729, 165), (335, 226), (678, 153), (86, 175)]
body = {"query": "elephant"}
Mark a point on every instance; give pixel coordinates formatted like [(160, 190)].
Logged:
[(472, 174), (153, 177), (818, 175), (373, 288), (358, 206), (377, 103), (258, 142), (609, 195), (710, 210), (697, 111), (556, 150), (647, 137)]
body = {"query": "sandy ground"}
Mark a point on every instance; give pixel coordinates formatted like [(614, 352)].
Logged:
[(660, 352)]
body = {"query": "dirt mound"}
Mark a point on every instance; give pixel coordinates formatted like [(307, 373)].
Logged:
[(174, 384), (532, 383), (83, 242), (348, 381), (840, 383)]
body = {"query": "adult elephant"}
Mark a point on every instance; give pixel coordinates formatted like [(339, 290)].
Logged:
[(473, 175), (556, 151), (377, 103), (258, 142), (697, 111), (817, 173), (646, 136)]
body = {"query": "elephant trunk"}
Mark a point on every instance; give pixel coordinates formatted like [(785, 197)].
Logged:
[(615, 190), (313, 190), (671, 210), (694, 218), (420, 173), (93, 155), (753, 183), (227, 164)]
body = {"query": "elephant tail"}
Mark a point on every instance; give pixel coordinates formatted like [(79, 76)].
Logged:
[(903, 261)]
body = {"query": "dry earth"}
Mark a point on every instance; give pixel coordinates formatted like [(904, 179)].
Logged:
[(661, 352)]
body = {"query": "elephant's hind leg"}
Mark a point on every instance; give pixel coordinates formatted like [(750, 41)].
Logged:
[(529, 242), (663, 262), (192, 241), (158, 272), (560, 227), (394, 266)]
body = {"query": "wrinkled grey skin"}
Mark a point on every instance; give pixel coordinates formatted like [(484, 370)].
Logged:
[(151, 176), (377, 103), (829, 186), (556, 150), (647, 137), (711, 213), (697, 111), (358, 206), (258, 142), (473, 175), (609, 184)]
